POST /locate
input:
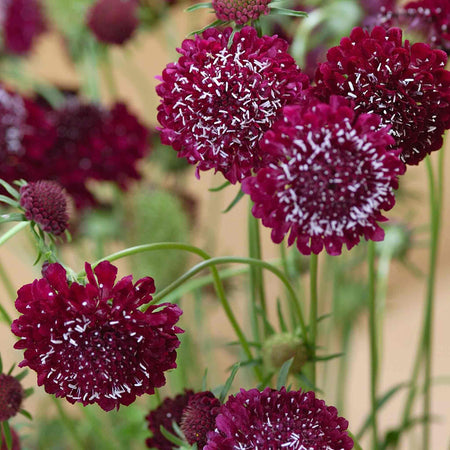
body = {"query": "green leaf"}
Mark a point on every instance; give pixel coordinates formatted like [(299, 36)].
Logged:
[(26, 414), (11, 369), (229, 382), (12, 217), (1, 364), (204, 378), (9, 201), (28, 392), (216, 23), (307, 383), (171, 437), (219, 188), (7, 434), (235, 201), (284, 372), (198, 6), (328, 357), (21, 375), (11, 191), (286, 12)]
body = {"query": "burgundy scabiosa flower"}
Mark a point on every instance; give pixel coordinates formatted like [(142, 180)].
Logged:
[(45, 203), (113, 21), (169, 411), (407, 85), (94, 143), (331, 176), (11, 396), (218, 100), (199, 417), (272, 420), (15, 440), (22, 22), (25, 136), (240, 11), (91, 343)]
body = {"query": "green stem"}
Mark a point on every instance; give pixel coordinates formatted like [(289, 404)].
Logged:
[(313, 313), (12, 231), (217, 284), (108, 74), (373, 342), (69, 423), (231, 259), (356, 445)]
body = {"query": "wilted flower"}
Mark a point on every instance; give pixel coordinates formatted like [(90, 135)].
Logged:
[(218, 99), (407, 85), (331, 176), (278, 419), (92, 344)]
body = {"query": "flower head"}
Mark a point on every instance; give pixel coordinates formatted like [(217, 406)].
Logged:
[(240, 11), (218, 100), (15, 440), (11, 396), (169, 411), (407, 86), (331, 176), (45, 203), (91, 343), (278, 419), (113, 21), (22, 21), (199, 417)]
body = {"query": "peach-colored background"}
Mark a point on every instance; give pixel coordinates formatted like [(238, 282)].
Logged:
[(135, 69)]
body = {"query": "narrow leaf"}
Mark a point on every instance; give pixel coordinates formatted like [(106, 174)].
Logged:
[(171, 437), (219, 188), (229, 382), (11, 191), (9, 201), (235, 201), (21, 375), (28, 392), (204, 378), (7, 434), (13, 217), (1, 364), (328, 357), (284, 372), (26, 414), (307, 383), (287, 12), (198, 6), (216, 23), (281, 320)]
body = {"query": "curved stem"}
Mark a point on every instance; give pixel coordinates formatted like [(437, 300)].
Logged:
[(216, 279), (373, 342), (12, 231), (313, 313), (231, 259)]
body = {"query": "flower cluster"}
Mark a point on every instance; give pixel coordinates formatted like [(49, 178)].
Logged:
[(240, 11), (73, 144), (332, 174), (407, 85), (21, 22), (91, 343), (219, 99)]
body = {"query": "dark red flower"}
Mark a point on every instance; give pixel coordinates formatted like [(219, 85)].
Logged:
[(373, 9), (273, 420), (94, 143), (45, 203), (331, 176), (199, 417), (22, 23), (240, 11), (91, 343), (11, 396), (113, 21), (407, 86), (422, 21), (169, 411), (25, 136), (218, 99)]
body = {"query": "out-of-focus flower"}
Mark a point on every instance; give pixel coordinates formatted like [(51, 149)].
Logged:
[(407, 85), (113, 21), (218, 99), (21, 22), (170, 410), (331, 176), (45, 203), (373, 9), (278, 419), (91, 343), (240, 11), (199, 417), (11, 396), (15, 440)]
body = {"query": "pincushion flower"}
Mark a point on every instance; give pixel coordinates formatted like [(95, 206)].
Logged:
[(22, 22), (11, 396), (45, 203), (113, 21), (240, 11), (272, 420), (169, 411), (331, 176), (218, 100), (407, 85), (91, 343)]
